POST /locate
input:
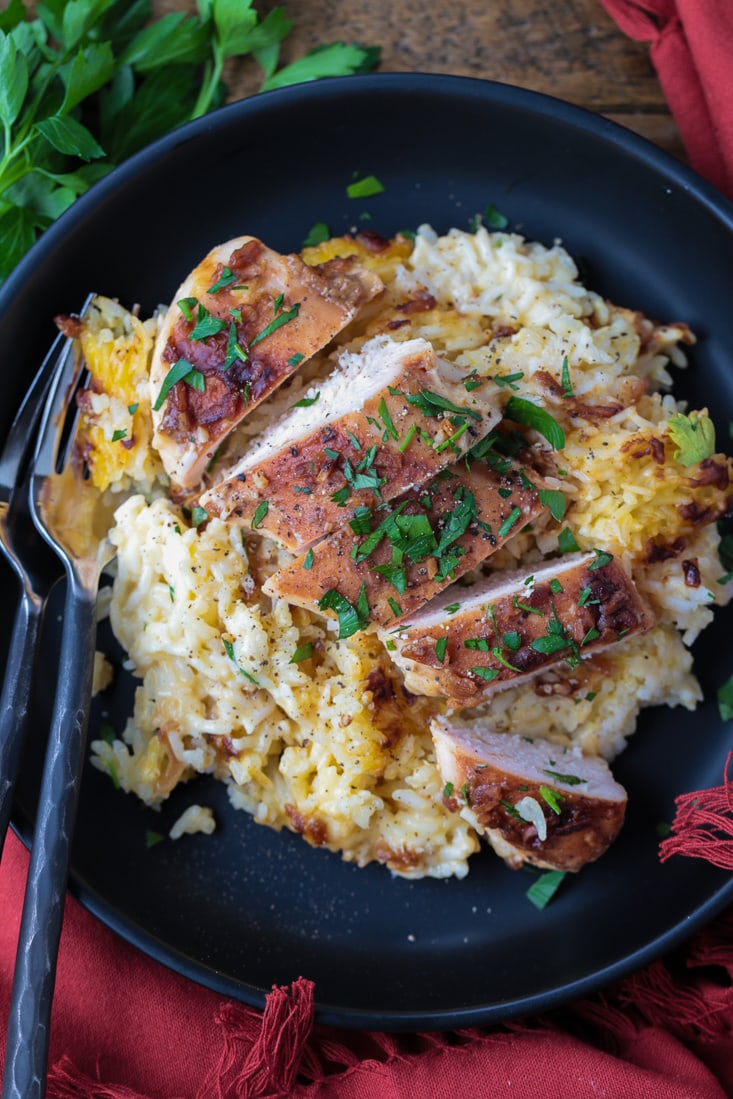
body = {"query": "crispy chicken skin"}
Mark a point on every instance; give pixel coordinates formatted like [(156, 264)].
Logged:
[(361, 441), (247, 289), (534, 801), (471, 513), (471, 642)]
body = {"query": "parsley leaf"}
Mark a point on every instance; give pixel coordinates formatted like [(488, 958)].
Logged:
[(351, 618), (694, 435), (365, 188), (541, 892), (725, 700), (531, 415)]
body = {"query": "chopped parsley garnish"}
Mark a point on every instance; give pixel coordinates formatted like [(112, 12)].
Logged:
[(206, 324), (303, 652), (278, 322), (552, 798), (181, 371), (452, 439), (233, 351), (260, 512), (296, 359), (152, 838), (494, 219), (229, 650), (351, 618), (565, 382), (531, 415), (412, 432), (106, 732), (592, 635), (187, 306), (353, 440), (541, 892), (555, 586), (385, 417), (512, 640), (199, 515), (394, 607), (440, 648), (509, 380), (488, 674), (447, 789), (694, 436), (601, 560), (118, 434), (395, 575), (725, 700), (226, 278), (317, 234), (479, 644), (132, 408), (433, 404), (452, 608), (308, 560), (306, 402), (509, 522), (365, 188), (553, 499), (569, 780), (566, 541)]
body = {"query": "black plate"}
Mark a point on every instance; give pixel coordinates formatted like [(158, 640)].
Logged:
[(248, 907)]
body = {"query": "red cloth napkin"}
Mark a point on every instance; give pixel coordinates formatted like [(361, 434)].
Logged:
[(124, 1027), (692, 50)]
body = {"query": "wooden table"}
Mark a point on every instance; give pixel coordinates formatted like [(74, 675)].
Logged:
[(567, 48)]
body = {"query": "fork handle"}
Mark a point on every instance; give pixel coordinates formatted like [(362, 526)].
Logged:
[(15, 699), (26, 1052)]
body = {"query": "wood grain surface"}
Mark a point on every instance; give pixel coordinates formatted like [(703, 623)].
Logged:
[(567, 48)]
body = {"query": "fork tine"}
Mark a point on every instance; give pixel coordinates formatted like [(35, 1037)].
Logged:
[(20, 440)]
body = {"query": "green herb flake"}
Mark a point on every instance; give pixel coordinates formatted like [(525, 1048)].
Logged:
[(181, 371), (447, 789), (106, 732), (233, 350), (433, 404), (351, 617), (514, 515), (601, 560), (260, 512), (494, 219), (132, 408), (303, 652), (390, 645), (725, 700), (693, 435), (569, 780), (566, 541), (152, 839), (531, 415), (365, 187), (394, 607), (512, 641), (207, 325), (385, 417), (553, 499), (306, 402), (509, 380), (552, 798), (120, 433), (296, 359), (411, 433), (278, 322), (227, 278), (187, 306), (317, 234), (489, 674), (308, 559), (199, 515), (541, 892), (663, 829), (452, 608), (565, 382), (440, 648), (555, 586)]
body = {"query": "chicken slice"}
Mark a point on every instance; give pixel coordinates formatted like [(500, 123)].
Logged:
[(411, 551), (471, 642), (534, 801), (244, 320), (388, 417)]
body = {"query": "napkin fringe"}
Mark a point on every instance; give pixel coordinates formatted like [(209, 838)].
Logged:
[(66, 1081), (703, 825), (262, 1053)]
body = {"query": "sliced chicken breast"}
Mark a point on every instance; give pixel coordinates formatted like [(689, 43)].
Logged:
[(407, 553), (535, 802), (244, 320), (470, 642), (389, 417)]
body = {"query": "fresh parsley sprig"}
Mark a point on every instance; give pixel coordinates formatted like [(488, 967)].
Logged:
[(86, 83)]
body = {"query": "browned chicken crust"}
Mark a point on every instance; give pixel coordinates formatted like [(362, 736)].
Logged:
[(534, 802), (515, 625), (471, 513), (265, 314)]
